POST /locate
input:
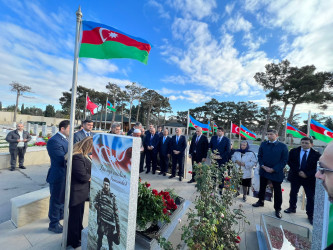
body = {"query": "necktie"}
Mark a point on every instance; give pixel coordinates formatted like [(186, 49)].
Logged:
[(177, 139), (219, 139), (88, 134), (164, 139), (303, 163), (196, 142)]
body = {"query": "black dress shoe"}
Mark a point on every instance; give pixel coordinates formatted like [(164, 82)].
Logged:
[(191, 181), (164, 174), (22, 167), (56, 229), (258, 204), (290, 210), (153, 172), (160, 173), (172, 176), (12, 169), (278, 214), (180, 178), (311, 220), (147, 172), (141, 171)]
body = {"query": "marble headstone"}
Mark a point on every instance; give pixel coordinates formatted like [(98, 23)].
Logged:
[(54, 130), (29, 127), (44, 130), (36, 129)]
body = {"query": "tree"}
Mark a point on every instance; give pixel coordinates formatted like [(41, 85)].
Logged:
[(0, 106), (22, 108), (122, 99), (49, 111), (11, 108), (140, 94), (149, 100), (329, 123), (134, 92), (272, 81), (19, 89)]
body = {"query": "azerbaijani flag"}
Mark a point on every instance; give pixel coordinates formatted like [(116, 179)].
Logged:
[(320, 132), (110, 106), (103, 42), (248, 134), (215, 126), (194, 124), (294, 131)]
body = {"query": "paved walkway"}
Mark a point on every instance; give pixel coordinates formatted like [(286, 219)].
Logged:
[(36, 235)]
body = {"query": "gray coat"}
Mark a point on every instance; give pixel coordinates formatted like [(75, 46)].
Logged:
[(13, 136), (80, 135)]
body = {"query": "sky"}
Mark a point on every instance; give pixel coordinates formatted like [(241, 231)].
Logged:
[(201, 49)]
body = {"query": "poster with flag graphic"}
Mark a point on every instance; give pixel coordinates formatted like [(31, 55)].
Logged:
[(114, 183), (90, 105), (320, 132)]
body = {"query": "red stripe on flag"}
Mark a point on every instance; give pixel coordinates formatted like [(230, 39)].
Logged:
[(321, 130), (94, 37), (248, 133)]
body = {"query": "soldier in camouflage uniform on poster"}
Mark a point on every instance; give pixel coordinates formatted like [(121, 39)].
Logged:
[(107, 216)]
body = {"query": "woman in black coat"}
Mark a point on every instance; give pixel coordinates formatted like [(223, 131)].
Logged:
[(81, 176)]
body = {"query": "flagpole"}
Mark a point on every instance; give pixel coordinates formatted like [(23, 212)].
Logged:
[(85, 107), (239, 138), (187, 134), (285, 132), (309, 122), (106, 112), (71, 128), (230, 129)]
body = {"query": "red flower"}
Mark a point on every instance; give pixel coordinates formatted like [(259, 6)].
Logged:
[(165, 211), (154, 191), (147, 185), (227, 178), (282, 189), (238, 239), (190, 172)]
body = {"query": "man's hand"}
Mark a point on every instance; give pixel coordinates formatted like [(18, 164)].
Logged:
[(18, 140), (267, 169), (168, 155), (25, 140), (302, 174)]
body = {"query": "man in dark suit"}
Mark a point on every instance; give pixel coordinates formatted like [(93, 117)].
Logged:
[(159, 131), (164, 151), (137, 125), (178, 146), (272, 158), (303, 166), (87, 126), (198, 150), (151, 149), (57, 147), (18, 143), (148, 130), (222, 144)]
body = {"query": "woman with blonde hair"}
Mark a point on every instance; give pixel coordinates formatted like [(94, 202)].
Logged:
[(81, 176)]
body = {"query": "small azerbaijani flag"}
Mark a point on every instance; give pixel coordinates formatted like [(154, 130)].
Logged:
[(104, 42), (248, 134), (320, 132), (110, 106), (194, 124), (294, 131)]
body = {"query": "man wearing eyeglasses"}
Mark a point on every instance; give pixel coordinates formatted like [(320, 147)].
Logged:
[(325, 170), (303, 166)]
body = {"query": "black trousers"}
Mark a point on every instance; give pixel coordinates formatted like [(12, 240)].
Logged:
[(142, 160), (180, 160), (309, 188), (151, 160), (277, 192), (20, 152), (75, 225), (164, 161), (194, 158)]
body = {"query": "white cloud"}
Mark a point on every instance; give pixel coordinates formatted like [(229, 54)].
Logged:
[(229, 8), (160, 9), (198, 9), (239, 23), (193, 96), (99, 67)]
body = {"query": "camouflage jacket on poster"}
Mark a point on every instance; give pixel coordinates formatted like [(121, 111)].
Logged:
[(107, 211)]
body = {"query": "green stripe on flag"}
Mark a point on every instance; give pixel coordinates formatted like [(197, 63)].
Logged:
[(321, 137), (294, 133), (110, 49), (247, 136), (112, 109)]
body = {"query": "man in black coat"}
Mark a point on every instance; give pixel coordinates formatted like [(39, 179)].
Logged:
[(198, 150), (272, 158), (303, 166), (18, 143), (222, 144), (87, 126), (151, 149), (164, 147), (178, 146)]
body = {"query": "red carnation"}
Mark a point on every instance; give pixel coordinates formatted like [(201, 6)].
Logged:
[(165, 211), (154, 191), (238, 239), (190, 172), (282, 189), (147, 185)]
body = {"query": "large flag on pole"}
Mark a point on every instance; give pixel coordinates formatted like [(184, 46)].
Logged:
[(104, 42), (90, 105), (320, 132), (248, 134), (294, 131), (235, 129), (110, 106), (194, 124)]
